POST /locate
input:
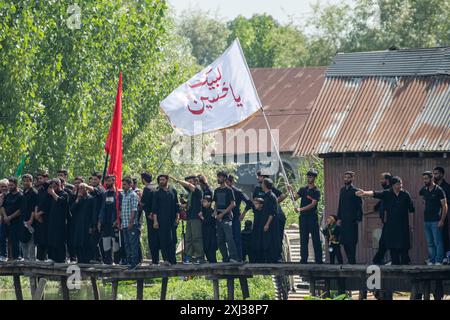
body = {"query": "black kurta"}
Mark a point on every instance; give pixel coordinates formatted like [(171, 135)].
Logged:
[(30, 200), (59, 210), (396, 228), (165, 206), (350, 213), (82, 212), (265, 245), (41, 228), (209, 234)]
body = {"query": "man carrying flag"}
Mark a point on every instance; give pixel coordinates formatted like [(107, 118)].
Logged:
[(109, 214)]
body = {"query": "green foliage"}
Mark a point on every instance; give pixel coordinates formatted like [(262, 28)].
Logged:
[(59, 84), (207, 35), (363, 25)]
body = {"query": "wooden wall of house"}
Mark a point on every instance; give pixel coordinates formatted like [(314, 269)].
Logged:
[(368, 170)]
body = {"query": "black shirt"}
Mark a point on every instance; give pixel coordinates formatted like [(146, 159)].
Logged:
[(223, 198), (432, 202), (165, 205), (239, 198), (194, 203), (446, 187), (208, 216), (270, 206), (12, 203), (147, 200), (30, 201), (308, 195)]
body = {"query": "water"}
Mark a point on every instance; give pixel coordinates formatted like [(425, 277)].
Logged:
[(53, 291)]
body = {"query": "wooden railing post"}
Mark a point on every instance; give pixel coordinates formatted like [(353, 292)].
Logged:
[(164, 283), (18, 287)]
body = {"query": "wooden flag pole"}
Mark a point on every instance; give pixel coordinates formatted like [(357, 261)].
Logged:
[(166, 156), (283, 171), (105, 168)]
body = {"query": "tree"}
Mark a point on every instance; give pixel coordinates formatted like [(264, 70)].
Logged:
[(377, 25), (207, 35), (58, 83)]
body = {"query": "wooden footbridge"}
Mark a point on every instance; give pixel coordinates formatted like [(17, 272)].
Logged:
[(419, 279)]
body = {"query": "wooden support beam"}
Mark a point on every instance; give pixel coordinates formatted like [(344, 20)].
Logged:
[(216, 289), (39, 293), (312, 287), (33, 284), (64, 288), (95, 289), (164, 283), (230, 288), (362, 294), (114, 289), (427, 290), (414, 290), (18, 287), (327, 288), (140, 289), (244, 287)]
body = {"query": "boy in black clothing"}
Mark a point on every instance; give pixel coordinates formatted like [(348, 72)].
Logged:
[(246, 238), (332, 233), (209, 230)]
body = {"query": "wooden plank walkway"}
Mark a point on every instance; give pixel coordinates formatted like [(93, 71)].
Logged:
[(422, 278)]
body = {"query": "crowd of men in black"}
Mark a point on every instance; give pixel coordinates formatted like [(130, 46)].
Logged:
[(50, 219)]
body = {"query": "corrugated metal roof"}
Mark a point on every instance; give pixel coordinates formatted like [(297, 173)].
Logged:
[(379, 114), (403, 62), (287, 95)]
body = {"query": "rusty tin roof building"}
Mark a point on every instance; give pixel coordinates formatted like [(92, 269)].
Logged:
[(384, 111), (386, 101), (287, 95)]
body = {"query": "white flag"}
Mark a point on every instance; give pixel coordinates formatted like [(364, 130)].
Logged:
[(220, 96)]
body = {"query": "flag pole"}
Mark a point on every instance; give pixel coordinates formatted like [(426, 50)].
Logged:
[(166, 156), (283, 171), (105, 167)]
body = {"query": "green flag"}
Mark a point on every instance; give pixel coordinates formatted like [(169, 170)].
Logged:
[(21, 166)]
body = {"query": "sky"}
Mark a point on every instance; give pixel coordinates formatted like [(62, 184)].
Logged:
[(282, 10)]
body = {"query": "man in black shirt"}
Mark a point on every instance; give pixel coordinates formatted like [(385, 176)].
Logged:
[(240, 197), (397, 204), (224, 202), (438, 175), (40, 217), (434, 216), (96, 190), (349, 215), (194, 236), (146, 204), (82, 210), (386, 184), (57, 217), (165, 217), (108, 221), (12, 205), (308, 219), (259, 193), (63, 174), (30, 200)]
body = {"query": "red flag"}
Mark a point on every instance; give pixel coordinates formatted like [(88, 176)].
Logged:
[(113, 145)]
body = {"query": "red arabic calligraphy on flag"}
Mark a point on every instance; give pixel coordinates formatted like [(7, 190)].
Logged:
[(219, 96)]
